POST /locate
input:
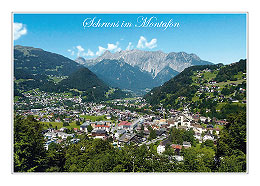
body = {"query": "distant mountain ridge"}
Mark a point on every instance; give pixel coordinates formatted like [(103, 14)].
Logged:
[(139, 70), (151, 61), (118, 73), (37, 61), (35, 68), (165, 75)]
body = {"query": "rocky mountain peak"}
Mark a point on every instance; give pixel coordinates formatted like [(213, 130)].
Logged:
[(152, 61), (80, 60)]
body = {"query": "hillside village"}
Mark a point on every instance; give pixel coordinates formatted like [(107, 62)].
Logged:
[(66, 119)]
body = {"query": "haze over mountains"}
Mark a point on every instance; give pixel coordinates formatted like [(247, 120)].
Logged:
[(153, 68)]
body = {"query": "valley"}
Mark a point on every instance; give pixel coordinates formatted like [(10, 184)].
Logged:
[(86, 118)]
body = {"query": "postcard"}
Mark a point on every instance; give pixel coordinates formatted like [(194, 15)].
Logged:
[(129, 92)]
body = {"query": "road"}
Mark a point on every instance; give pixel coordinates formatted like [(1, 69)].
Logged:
[(153, 141)]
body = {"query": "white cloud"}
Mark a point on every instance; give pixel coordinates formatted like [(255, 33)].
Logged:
[(110, 46), (100, 50), (143, 43), (89, 53), (118, 49), (71, 52), (130, 46), (80, 49), (19, 29)]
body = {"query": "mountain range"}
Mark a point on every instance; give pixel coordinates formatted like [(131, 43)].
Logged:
[(131, 70), (152, 67), (36, 68), (151, 61)]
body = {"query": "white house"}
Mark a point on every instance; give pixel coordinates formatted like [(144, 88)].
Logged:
[(178, 158), (84, 126), (160, 149), (186, 144), (197, 136), (208, 137)]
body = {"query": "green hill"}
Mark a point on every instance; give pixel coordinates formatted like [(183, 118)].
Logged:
[(212, 90), (37, 61), (38, 69)]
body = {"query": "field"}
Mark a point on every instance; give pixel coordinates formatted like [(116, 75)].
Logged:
[(59, 125), (94, 118), (73, 124), (222, 84), (209, 76)]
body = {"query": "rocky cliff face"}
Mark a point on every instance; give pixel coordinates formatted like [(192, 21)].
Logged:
[(152, 61), (80, 60)]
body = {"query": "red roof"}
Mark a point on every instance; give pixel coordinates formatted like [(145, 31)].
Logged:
[(101, 126), (124, 123), (176, 146)]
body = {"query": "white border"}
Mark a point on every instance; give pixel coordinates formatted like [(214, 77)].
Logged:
[(133, 6)]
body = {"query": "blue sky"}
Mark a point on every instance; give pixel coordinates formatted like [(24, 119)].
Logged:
[(213, 37)]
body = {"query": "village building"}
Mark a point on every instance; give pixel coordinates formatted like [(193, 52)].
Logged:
[(99, 133), (126, 138), (186, 144), (177, 148)]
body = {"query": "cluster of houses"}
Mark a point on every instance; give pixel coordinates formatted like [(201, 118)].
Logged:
[(138, 130), (125, 132), (212, 87), (45, 99), (57, 136), (56, 107), (127, 127)]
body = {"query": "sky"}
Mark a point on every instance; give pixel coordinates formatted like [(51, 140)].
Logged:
[(218, 38)]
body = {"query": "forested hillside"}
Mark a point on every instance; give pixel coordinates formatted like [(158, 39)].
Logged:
[(211, 90)]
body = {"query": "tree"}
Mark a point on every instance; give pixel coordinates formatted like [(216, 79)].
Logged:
[(209, 144), (152, 134), (65, 124), (188, 135), (233, 163), (142, 127), (55, 158), (77, 123), (29, 152), (89, 128), (231, 146), (233, 136), (198, 159), (176, 135), (168, 150)]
